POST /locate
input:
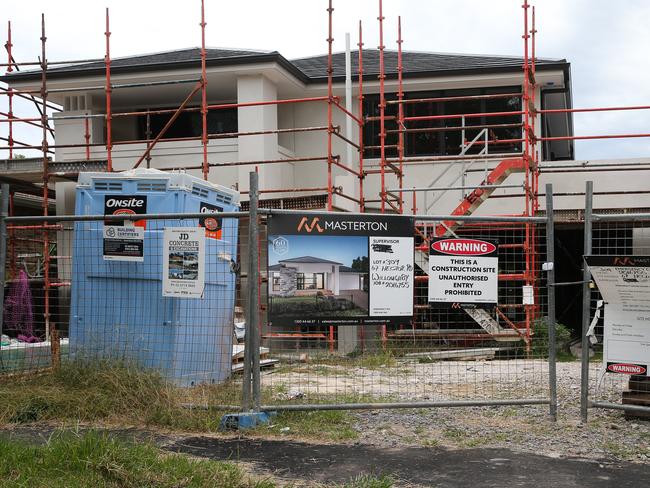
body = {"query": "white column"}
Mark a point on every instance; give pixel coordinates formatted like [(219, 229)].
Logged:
[(265, 117)]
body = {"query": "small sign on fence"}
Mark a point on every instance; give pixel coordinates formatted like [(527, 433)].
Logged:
[(123, 243), (183, 262), (624, 283), (124, 240), (336, 269), (463, 271)]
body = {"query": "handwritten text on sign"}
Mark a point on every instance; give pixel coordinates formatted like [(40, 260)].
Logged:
[(391, 276)]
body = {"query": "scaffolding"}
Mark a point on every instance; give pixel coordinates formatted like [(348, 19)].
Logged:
[(497, 166)]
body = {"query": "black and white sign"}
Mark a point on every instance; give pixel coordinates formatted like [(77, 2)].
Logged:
[(126, 205), (391, 276), (183, 262), (624, 283), (336, 269), (123, 243), (124, 240), (463, 271)]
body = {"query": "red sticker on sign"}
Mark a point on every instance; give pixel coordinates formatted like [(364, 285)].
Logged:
[(464, 247), (624, 368)]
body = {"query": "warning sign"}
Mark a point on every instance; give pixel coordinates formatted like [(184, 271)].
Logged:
[(624, 283), (463, 271), (123, 243), (183, 262)]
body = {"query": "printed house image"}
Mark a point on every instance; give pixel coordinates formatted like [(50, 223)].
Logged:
[(317, 284)]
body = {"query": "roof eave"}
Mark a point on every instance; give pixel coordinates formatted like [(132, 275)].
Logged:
[(143, 68)]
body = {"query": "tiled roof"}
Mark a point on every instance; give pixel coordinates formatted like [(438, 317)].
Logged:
[(309, 69)]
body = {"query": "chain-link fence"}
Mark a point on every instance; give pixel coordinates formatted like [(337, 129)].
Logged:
[(616, 341), (452, 345), (300, 310)]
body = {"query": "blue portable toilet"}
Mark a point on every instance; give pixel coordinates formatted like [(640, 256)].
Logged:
[(117, 307)]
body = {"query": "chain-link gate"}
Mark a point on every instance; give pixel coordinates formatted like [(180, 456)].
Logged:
[(442, 354), (615, 378)]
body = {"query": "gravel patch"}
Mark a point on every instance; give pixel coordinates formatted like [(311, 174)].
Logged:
[(607, 435)]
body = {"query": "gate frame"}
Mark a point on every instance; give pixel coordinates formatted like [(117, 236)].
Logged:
[(590, 218), (548, 220)]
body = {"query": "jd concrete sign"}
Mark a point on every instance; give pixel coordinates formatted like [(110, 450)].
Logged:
[(463, 271)]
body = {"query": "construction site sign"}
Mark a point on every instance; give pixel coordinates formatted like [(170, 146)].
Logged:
[(124, 240), (123, 243), (463, 271), (183, 262), (624, 283), (338, 269)]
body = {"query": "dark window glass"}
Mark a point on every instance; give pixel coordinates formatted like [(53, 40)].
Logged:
[(188, 124), (447, 141)]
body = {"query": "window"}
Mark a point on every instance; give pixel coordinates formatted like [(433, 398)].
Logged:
[(188, 124), (276, 281), (421, 142), (310, 281)]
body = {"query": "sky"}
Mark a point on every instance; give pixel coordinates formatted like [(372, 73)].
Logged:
[(340, 249), (605, 41)]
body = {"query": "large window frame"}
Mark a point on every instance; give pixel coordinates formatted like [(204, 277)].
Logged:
[(448, 142)]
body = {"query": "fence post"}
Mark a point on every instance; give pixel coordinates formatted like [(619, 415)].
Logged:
[(550, 285), (254, 280), (4, 212), (586, 303), (251, 301)]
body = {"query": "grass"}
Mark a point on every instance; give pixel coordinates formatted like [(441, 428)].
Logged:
[(71, 459), (110, 393), (93, 459), (333, 425)]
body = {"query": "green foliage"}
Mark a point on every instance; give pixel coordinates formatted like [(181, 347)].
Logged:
[(314, 306), (93, 459), (101, 391), (368, 481), (541, 341)]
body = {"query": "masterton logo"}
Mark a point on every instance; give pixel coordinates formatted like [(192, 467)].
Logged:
[(310, 227), (464, 247), (624, 261), (626, 368)]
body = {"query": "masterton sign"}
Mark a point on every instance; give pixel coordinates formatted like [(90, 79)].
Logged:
[(463, 271), (329, 269)]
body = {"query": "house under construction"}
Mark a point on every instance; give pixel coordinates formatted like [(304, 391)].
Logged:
[(367, 129)]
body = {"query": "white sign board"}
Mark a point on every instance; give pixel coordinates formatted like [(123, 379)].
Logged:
[(184, 262), (391, 276), (626, 338), (463, 271), (123, 243), (624, 283)]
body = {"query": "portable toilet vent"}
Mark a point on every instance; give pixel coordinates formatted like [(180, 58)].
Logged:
[(118, 310)]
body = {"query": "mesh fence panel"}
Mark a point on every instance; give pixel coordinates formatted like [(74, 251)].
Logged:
[(114, 312), (444, 352), (64, 300), (616, 238)]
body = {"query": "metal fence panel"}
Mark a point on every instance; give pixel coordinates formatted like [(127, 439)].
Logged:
[(66, 304), (623, 235), (445, 355)]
